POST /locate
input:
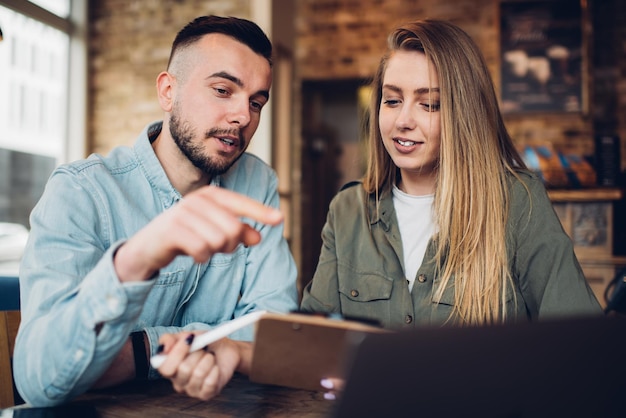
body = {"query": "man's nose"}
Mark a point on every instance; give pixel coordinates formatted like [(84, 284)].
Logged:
[(239, 113)]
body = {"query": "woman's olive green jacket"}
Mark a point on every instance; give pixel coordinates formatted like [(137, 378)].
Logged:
[(360, 271)]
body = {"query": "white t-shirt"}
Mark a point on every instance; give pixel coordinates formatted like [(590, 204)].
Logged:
[(415, 219)]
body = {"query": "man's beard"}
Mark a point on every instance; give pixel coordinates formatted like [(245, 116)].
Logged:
[(183, 135)]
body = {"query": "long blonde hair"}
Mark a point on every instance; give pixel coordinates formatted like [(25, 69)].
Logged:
[(476, 153)]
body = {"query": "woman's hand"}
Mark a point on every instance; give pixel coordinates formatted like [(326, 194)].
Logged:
[(202, 374), (332, 386)]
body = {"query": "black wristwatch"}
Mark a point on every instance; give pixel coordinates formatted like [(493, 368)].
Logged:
[(139, 352)]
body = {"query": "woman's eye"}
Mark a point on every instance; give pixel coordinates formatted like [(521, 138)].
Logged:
[(431, 107), (391, 102)]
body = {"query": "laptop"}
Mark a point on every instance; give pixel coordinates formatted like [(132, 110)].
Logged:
[(559, 368)]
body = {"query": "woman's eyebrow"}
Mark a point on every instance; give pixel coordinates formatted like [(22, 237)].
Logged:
[(418, 92), (426, 90), (392, 88)]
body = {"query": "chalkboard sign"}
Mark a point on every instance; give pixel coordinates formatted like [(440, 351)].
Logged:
[(542, 56)]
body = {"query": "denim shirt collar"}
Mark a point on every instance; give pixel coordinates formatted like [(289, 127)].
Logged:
[(152, 168)]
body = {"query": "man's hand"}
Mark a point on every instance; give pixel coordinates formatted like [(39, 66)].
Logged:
[(204, 222), (202, 374)]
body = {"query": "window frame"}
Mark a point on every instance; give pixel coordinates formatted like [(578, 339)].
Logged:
[(75, 26)]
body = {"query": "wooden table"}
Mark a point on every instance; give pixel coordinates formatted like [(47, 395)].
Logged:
[(240, 398)]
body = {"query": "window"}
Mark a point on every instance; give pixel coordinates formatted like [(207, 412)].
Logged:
[(40, 51), (60, 8)]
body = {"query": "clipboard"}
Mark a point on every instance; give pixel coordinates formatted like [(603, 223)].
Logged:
[(298, 349)]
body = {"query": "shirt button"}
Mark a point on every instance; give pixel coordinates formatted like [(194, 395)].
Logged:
[(112, 302), (408, 319), (354, 293), (421, 278)]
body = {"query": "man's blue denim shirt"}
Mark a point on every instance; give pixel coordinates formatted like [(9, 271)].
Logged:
[(76, 315)]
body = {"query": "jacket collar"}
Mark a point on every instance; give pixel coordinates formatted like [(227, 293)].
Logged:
[(384, 212)]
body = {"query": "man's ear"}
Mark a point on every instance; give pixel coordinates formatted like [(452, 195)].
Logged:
[(165, 90)]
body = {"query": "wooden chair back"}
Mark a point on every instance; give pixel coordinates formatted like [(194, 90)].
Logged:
[(9, 322)]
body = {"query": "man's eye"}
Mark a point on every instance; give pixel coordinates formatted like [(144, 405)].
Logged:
[(256, 106), (220, 91)]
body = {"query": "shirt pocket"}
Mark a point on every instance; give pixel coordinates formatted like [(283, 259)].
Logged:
[(227, 260), (171, 277), (447, 298), (364, 295), (160, 307), (221, 265), (443, 307)]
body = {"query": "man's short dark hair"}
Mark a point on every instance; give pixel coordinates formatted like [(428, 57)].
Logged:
[(244, 31)]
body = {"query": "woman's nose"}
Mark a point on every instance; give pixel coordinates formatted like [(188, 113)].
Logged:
[(405, 119)]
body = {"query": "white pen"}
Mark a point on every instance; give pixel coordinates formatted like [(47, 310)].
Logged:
[(217, 333)]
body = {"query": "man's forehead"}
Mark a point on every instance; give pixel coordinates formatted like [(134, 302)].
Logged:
[(216, 43), (220, 48), (217, 53)]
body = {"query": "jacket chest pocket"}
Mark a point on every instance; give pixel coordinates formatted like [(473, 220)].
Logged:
[(364, 295), (447, 297), (442, 308)]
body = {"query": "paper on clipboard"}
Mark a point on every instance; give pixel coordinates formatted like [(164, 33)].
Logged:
[(215, 334)]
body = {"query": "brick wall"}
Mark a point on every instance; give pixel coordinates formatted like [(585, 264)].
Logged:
[(335, 39), (345, 38), (129, 44)]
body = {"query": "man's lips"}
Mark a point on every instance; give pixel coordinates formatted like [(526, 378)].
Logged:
[(228, 141), (229, 138)]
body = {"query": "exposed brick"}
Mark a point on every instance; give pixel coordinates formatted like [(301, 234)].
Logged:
[(129, 45), (335, 39), (342, 39)]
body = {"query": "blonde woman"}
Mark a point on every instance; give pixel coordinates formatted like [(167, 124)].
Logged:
[(447, 226)]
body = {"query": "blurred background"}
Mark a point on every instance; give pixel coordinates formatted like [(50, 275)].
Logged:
[(78, 77)]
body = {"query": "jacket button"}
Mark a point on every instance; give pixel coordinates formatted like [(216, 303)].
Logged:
[(408, 319), (354, 293), (421, 278)]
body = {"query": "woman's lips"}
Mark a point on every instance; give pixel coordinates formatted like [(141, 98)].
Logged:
[(405, 143), (405, 146)]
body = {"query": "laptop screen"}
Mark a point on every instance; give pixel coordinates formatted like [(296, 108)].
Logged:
[(559, 368)]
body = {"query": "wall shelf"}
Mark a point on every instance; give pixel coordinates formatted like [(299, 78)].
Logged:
[(585, 195), (587, 217)]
